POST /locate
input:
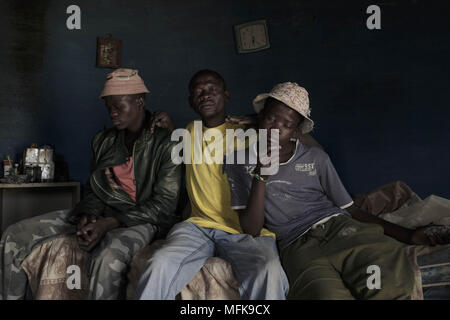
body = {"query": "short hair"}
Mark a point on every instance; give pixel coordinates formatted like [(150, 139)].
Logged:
[(202, 72)]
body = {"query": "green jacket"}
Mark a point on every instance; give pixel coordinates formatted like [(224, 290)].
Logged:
[(157, 180)]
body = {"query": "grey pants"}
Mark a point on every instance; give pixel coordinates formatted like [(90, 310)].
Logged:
[(108, 263), (254, 260)]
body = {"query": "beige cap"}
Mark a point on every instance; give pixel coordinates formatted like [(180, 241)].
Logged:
[(292, 95), (123, 81)]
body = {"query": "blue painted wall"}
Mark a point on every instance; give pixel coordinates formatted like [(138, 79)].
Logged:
[(379, 98)]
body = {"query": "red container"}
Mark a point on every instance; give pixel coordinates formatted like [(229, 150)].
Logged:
[(6, 168)]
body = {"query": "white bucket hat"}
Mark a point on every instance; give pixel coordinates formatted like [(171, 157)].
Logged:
[(292, 95)]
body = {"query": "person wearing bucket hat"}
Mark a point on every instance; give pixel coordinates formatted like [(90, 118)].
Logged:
[(130, 199), (297, 99), (293, 96), (325, 242)]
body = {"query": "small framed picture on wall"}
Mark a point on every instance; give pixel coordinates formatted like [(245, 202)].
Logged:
[(109, 52)]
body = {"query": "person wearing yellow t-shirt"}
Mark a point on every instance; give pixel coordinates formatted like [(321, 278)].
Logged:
[(213, 229)]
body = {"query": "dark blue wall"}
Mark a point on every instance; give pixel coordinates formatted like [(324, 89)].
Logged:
[(379, 98)]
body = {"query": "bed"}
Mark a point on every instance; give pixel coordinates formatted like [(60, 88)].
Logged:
[(46, 266)]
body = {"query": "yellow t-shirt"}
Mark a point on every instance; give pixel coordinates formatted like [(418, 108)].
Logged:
[(207, 185)]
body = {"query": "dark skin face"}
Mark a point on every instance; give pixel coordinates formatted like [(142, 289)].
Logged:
[(277, 115), (208, 97), (127, 113)]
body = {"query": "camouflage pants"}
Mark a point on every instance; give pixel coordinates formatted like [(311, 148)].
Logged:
[(108, 263)]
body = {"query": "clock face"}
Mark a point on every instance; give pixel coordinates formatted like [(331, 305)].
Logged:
[(252, 36)]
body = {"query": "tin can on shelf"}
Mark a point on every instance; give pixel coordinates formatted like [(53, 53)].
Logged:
[(34, 173), (48, 172), (32, 155)]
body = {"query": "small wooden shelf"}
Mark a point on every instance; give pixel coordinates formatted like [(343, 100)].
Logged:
[(26, 200)]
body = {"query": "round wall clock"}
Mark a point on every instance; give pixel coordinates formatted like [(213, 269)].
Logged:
[(251, 36)]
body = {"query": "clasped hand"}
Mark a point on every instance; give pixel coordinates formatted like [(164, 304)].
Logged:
[(90, 230)]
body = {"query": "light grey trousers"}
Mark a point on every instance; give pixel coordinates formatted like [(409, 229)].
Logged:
[(254, 260), (108, 261)]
